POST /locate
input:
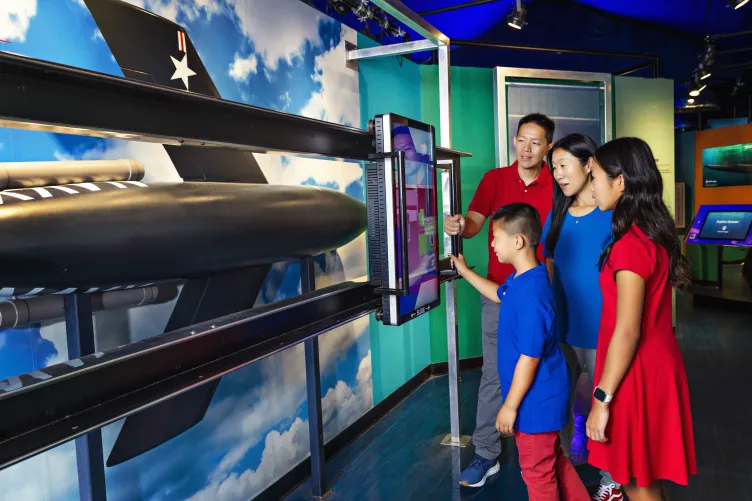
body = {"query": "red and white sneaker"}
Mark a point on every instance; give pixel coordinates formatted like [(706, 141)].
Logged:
[(608, 493)]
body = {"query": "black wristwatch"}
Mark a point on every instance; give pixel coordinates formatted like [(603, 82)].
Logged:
[(602, 396)]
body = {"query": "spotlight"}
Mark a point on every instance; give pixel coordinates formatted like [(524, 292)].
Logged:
[(703, 72), (691, 100), (737, 4), (696, 86), (516, 18)]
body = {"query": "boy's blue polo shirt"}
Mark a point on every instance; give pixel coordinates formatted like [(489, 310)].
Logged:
[(526, 327)]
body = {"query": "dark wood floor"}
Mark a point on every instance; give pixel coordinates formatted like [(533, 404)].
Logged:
[(400, 458)]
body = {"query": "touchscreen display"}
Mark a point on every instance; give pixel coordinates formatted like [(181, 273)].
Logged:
[(422, 234), (726, 225)]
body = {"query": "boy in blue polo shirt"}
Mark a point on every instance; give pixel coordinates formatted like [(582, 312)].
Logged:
[(532, 370)]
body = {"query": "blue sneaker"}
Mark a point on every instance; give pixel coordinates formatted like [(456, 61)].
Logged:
[(479, 470)]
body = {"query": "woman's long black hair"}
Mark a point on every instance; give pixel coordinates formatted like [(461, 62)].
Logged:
[(582, 148), (641, 203)]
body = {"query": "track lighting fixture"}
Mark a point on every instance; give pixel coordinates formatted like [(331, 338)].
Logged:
[(703, 72), (516, 18), (696, 86), (737, 4)]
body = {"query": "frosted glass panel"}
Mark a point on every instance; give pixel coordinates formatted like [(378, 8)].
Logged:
[(574, 108)]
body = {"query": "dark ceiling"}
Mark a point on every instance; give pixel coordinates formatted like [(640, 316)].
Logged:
[(672, 30)]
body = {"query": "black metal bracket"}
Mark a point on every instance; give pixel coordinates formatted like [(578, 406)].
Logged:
[(399, 156)]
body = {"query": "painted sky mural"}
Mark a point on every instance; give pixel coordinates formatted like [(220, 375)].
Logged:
[(278, 54)]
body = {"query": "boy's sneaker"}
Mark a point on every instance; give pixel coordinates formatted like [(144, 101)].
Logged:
[(608, 493), (479, 470)]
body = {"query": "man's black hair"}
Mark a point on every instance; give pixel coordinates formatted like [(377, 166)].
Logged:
[(520, 218), (541, 121)]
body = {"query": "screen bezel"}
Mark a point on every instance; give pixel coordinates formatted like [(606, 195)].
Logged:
[(693, 235), (707, 216), (395, 316)]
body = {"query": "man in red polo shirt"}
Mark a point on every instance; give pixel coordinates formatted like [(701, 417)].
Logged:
[(526, 180)]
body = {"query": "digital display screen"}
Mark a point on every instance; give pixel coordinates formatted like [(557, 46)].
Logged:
[(726, 225), (421, 205), (722, 225)]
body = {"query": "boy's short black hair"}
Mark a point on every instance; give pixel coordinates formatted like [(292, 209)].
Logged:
[(520, 218), (541, 121)]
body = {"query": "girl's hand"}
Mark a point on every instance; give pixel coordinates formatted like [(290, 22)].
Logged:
[(597, 421), (459, 263), (505, 420)]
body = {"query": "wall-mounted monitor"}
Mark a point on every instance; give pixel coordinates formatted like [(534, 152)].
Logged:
[(722, 225), (403, 224)]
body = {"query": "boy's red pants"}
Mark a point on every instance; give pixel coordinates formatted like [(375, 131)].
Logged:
[(548, 474)]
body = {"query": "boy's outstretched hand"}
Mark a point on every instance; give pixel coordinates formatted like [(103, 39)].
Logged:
[(459, 263), (505, 420)]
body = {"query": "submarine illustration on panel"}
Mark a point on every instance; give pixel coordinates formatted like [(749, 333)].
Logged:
[(220, 229), (726, 166)]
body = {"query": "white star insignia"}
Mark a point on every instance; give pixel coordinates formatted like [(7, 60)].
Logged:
[(182, 70)]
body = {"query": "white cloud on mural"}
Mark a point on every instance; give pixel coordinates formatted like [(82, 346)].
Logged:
[(338, 99), (157, 163), (172, 9), (241, 67), (15, 17), (260, 21), (55, 333), (341, 406), (58, 469), (282, 451), (97, 35)]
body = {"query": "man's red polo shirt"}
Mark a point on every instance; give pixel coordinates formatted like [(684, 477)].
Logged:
[(504, 186)]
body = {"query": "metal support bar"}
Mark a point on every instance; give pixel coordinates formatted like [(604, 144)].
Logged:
[(64, 401), (392, 50), (445, 101), (313, 385), (450, 8), (403, 14), (639, 67), (79, 327)]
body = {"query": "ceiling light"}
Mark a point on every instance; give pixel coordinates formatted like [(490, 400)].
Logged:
[(737, 4), (703, 72), (707, 58), (691, 100), (516, 18)]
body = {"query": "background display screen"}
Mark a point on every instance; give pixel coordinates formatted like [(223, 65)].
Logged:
[(726, 225), (421, 205)]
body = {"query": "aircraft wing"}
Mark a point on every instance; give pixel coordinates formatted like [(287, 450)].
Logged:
[(153, 49)]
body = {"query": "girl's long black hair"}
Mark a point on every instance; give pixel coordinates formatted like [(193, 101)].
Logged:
[(582, 148), (641, 203)]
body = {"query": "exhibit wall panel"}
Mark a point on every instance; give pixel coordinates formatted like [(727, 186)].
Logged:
[(644, 108), (713, 138), (392, 85), (473, 132), (255, 429)]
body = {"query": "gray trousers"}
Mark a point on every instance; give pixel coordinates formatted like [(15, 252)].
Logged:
[(581, 363), (486, 439)]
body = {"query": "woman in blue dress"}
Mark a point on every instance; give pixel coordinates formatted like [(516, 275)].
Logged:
[(573, 236)]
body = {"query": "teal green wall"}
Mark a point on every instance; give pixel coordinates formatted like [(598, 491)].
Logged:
[(397, 353), (473, 132)]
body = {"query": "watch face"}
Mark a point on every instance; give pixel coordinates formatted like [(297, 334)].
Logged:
[(600, 394)]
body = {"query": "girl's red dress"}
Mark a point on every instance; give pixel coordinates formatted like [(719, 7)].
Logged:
[(650, 423)]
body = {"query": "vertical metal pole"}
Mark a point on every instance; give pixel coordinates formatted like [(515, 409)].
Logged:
[(79, 327), (313, 384), (453, 357)]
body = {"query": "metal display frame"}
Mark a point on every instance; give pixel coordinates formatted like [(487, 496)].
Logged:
[(74, 400), (501, 74)]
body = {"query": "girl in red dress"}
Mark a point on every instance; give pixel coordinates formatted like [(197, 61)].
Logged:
[(640, 424)]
